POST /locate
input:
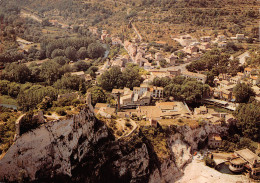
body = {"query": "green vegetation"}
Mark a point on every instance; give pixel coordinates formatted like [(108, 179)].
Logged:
[(28, 122), (215, 62), (210, 161), (158, 138), (97, 95), (188, 90), (7, 128), (5, 99), (248, 116), (243, 92), (114, 78)]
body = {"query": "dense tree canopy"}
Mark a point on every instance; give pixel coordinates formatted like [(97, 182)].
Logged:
[(243, 92), (248, 116), (114, 78), (29, 98), (188, 90), (97, 95)]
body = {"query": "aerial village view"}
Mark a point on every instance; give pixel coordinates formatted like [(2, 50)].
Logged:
[(155, 91)]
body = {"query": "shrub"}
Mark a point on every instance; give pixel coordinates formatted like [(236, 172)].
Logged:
[(119, 133), (75, 102), (128, 124), (210, 162), (60, 111)]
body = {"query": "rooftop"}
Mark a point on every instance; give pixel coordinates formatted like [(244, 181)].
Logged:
[(238, 161), (248, 155)]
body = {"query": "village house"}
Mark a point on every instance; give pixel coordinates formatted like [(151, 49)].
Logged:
[(248, 71), (191, 49), (201, 110), (163, 110), (222, 44), (129, 99), (205, 39), (174, 72), (214, 141), (82, 75), (116, 41), (104, 36), (153, 122), (247, 160), (93, 30), (172, 60), (159, 56), (240, 36), (211, 115), (156, 92), (235, 79), (199, 77), (159, 73), (254, 80), (221, 38), (204, 46)]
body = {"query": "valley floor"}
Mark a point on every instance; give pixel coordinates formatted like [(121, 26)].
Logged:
[(198, 172)]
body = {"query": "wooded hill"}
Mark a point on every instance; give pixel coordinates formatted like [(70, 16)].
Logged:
[(155, 19)]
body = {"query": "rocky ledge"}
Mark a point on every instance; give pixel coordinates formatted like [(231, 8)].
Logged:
[(82, 149)]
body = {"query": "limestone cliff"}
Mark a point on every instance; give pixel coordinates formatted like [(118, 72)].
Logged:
[(82, 149)]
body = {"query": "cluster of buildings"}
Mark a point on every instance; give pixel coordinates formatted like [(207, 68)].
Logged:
[(139, 96), (245, 160), (225, 83)]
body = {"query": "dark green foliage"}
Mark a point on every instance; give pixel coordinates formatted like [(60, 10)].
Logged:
[(28, 123), (82, 66), (188, 90), (31, 97), (16, 72), (243, 92), (111, 79), (95, 50), (50, 71), (60, 111), (82, 53), (215, 62), (210, 162), (70, 83), (7, 128), (57, 53), (70, 53), (9, 88), (97, 95), (114, 78), (248, 117)]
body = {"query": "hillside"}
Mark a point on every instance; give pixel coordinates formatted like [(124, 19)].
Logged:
[(156, 20)]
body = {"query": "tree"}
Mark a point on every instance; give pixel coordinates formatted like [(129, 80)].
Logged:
[(131, 76), (50, 71), (97, 95), (82, 66), (95, 50), (28, 122), (248, 120), (112, 79), (57, 53), (70, 53), (82, 53), (61, 60), (17, 72), (243, 92)]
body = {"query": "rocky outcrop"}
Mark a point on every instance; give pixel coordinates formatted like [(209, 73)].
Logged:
[(82, 149)]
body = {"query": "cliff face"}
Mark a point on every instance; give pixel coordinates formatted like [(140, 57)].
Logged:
[(82, 149)]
